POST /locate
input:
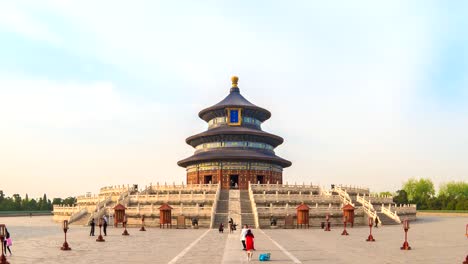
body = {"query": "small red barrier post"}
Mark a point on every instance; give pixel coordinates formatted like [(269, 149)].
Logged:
[(406, 227), (100, 238), (142, 223), (125, 232), (371, 223), (466, 260), (345, 233), (65, 229)]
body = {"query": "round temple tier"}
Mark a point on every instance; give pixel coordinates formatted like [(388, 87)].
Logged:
[(234, 150)]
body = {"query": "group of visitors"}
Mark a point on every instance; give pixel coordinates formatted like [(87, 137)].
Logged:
[(246, 237), (104, 225), (7, 242)]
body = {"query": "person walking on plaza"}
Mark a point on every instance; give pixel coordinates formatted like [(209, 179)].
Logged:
[(7, 243), (104, 218), (242, 235), (376, 222), (92, 224), (221, 228), (249, 241)]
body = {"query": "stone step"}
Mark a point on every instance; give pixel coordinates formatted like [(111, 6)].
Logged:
[(386, 220)]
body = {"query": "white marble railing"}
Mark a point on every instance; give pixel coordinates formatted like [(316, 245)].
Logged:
[(176, 210), (375, 199), (324, 192), (284, 187), (353, 189), (186, 187), (368, 208), (343, 195), (65, 209), (388, 212), (405, 209), (291, 210), (254, 206), (168, 198), (88, 199), (306, 198), (114, 190), (215, 203)]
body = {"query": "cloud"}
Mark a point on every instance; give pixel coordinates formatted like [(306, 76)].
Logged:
[(16, 20)]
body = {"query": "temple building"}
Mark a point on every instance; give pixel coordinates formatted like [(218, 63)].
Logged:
[(234, 150), (235, 175)]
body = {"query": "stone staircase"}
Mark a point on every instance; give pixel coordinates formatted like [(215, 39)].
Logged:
[(386, 220), (234, 206), (222, 209), (83, 220), (247, 216)]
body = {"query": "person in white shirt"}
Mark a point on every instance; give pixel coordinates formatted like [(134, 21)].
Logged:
[(242, 235)]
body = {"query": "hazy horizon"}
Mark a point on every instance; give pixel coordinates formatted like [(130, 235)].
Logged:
[(105, 93)]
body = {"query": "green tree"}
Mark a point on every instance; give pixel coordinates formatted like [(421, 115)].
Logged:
[(401, 197), (69, 201), (454, 189), (17, 202), (386, 194), (44, 204), (419, 191)]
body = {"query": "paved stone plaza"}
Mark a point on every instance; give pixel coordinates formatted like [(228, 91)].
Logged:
[(434, 239)]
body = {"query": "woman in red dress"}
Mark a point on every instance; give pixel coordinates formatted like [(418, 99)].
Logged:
[(249, 241)]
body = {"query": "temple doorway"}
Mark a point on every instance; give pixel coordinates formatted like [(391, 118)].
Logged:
[(233, 181), (260, 179), (208, 179)]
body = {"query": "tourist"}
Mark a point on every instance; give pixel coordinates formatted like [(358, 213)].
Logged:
[(221, 228), (92, 224), (376, 222), (7, 242), (231, 225), (104, 219), (242, 235), (249, 241)]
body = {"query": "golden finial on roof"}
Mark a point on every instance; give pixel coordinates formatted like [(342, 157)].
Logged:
[(234, 80)]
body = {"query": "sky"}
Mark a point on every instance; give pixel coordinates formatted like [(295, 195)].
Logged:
[(98, 93)]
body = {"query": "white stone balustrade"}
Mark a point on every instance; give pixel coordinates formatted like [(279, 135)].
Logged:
[(172, 198), (306, 198), (177, 210), (286, 187)]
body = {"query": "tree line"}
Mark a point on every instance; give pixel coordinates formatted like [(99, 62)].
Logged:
[(451, 195), (16, 203)]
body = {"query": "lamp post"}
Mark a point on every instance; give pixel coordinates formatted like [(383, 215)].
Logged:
[(125, 232), (65, 229), (345, 219), (2, 238), (142, 223), (371, 223), (327, 227), (406, 227), (100, 238)]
